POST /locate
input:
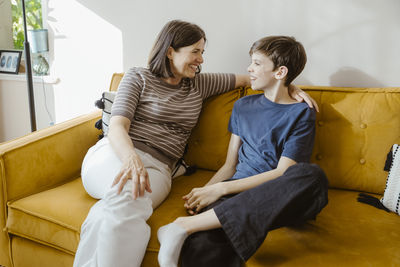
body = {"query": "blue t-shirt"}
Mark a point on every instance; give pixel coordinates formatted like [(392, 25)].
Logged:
[(268, 131)]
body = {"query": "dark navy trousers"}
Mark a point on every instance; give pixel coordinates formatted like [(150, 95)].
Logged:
[(246, 218)]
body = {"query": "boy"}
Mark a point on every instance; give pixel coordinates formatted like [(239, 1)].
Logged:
[(266, 181)]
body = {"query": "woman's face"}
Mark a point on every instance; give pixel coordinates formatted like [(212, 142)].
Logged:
[(185, 60)]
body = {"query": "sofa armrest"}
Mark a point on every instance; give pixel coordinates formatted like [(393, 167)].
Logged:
[(45, 158), (42, 160)]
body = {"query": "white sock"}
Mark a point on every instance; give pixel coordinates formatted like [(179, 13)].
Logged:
[(171, 237)]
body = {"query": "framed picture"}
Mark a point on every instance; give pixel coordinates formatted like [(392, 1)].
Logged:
[(9, 61)]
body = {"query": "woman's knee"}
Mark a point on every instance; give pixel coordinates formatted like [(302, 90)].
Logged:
[(124, 207), (99, 168)]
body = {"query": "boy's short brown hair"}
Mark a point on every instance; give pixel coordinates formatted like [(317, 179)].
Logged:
[(283, 51)]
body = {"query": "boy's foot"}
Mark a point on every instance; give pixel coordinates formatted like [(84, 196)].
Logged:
[(171, 238)]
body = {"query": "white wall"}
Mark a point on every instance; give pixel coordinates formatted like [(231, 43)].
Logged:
[(14, 105), (85, 51), (349, 42)]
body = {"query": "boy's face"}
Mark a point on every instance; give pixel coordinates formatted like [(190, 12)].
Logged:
[(261, 70)]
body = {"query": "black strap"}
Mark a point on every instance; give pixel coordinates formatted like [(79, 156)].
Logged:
[(389, 159), (370, 200), (98, 124)]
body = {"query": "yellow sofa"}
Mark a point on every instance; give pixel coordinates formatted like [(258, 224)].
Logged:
[(43, 203)]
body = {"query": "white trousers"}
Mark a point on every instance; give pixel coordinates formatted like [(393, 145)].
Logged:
[(115, 232)]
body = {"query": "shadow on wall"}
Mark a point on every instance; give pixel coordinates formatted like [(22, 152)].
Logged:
[(352, 77)]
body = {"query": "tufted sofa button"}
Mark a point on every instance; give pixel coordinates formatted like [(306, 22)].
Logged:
[(362, 161), (319, 156), (320, 123), (363, 126)]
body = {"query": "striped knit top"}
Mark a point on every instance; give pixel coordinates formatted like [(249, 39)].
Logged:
[(163, 115)]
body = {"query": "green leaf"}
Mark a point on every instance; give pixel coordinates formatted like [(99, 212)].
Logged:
[(34, 19)]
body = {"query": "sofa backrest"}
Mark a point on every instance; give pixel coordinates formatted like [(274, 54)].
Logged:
[(356, 127), (209, 140), (115, 80), (355, 130)]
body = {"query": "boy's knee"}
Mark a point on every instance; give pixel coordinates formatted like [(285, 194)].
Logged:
[(313, 169), (318, 173), (193, 247), (209, 248), (309, 170), (196, 243)]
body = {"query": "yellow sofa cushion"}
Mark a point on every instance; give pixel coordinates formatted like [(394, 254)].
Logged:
[(28, 253), (345, 233), (209, 140), (356, 127), (52, 217)]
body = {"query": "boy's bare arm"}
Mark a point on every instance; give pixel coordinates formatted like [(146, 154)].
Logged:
[(240, 185), (203, 196), (228, 169)]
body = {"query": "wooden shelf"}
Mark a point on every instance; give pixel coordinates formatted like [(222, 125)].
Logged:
[(36, 79)]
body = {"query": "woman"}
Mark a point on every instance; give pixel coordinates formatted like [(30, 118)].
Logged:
[(151, 120)]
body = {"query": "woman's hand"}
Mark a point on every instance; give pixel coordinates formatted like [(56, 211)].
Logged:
[(133, 168), (201, 197), (298, 94)]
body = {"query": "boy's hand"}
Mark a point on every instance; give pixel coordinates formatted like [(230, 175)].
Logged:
[(200, 198), (298, 94)]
